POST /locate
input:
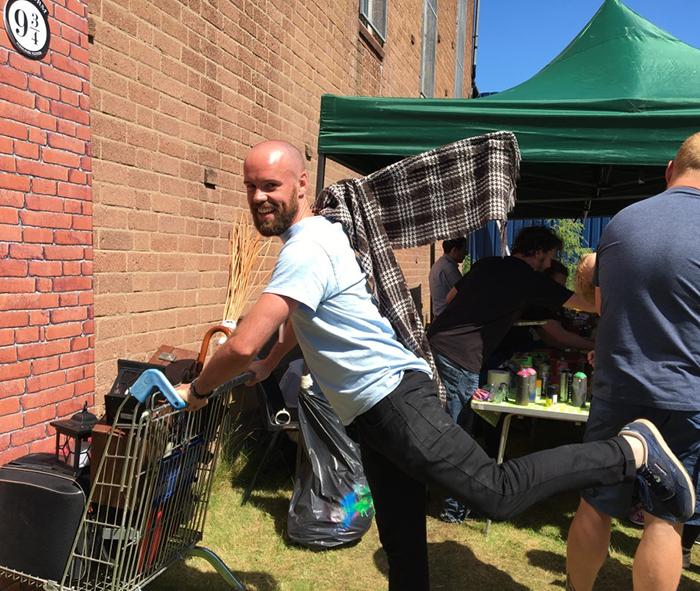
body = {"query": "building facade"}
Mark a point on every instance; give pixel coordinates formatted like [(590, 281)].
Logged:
[(120, 167)]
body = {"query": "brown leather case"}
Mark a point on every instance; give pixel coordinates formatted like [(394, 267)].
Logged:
[(182, 366)]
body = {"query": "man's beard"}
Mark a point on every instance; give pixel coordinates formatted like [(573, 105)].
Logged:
[(281, 221)]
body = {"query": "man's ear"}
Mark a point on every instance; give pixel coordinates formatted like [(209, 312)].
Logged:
[(303, 184), (669, 172)]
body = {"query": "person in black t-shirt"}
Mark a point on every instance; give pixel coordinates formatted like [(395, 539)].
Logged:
[(486, 302), (481, 308), (551, 334)]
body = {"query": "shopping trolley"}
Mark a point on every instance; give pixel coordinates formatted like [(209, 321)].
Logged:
[(149, 494)]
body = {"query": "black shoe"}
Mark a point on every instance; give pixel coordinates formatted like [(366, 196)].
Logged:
[(661, 472), (445, 518)]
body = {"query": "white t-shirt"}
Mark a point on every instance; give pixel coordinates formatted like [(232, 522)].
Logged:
[(351, 349)]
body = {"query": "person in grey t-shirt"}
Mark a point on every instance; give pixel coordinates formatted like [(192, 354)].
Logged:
[(647, 364), (445, 272)]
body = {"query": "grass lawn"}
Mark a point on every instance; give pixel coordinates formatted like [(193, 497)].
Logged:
[(527, 553)]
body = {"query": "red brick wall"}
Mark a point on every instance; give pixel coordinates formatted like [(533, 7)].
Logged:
[(46, 291), (180, 91)]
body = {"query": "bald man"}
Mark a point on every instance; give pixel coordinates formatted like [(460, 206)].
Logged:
[(647, 364), (406, 438)]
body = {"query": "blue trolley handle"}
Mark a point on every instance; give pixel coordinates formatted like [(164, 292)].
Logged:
[(153, 380)]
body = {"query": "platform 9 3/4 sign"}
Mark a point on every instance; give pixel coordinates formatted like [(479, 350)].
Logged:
[(27, 26)]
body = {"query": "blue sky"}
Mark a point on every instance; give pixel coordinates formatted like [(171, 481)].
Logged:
[(517, 38)]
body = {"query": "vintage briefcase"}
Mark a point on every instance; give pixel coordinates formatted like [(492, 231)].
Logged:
[(41, 513), (182, 366)]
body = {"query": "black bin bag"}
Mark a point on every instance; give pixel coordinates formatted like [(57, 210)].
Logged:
[(331, 504)]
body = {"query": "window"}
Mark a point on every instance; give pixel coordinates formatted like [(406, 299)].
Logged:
[(427, 65), (460, 45), (373, 15)]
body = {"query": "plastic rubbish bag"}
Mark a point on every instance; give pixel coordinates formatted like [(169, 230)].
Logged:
[(331, 504)]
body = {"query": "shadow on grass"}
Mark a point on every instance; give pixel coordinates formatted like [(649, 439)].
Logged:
[(276, 472), (455, 567), (613, 575), (181, 576), (279, 463), (687, 583), (276, 507), (550, 562), (558, 512)]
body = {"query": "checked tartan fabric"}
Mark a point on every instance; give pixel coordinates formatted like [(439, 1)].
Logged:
[(437, 195)]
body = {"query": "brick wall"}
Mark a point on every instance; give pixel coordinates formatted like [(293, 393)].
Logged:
[(180, 91), (46, 292)]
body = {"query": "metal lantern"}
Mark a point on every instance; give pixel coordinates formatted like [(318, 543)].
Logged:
[(73, 439)]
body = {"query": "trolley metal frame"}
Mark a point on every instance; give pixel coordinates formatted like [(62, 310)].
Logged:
[(148, 498)]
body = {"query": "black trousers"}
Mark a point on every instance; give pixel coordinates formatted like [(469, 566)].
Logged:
[(409, 442)]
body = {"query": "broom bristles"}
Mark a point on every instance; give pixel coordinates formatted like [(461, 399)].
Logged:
[(246, 253)]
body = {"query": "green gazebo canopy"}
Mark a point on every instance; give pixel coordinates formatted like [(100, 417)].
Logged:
[(596, 126)]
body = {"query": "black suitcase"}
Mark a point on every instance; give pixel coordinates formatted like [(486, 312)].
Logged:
[(40, 512)]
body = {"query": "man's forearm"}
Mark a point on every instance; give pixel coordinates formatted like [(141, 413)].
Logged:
[(281, 348), (229, 362), (240, 349), (225, 364), (578, 303), (564, 338)]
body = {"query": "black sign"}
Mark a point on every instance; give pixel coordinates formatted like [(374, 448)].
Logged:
[(27, 26)]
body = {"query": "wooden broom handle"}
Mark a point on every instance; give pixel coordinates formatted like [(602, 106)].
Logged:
[(205, 344)]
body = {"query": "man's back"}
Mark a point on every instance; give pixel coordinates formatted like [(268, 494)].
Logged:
[(490, 298), (648, 269)]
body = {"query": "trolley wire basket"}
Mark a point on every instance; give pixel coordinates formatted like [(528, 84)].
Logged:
[(149, 492)]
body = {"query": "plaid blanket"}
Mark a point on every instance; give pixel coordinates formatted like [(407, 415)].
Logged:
[(438, 195)]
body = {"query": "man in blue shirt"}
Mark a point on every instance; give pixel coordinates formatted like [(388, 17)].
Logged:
[(647, 364), (407, 440)]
